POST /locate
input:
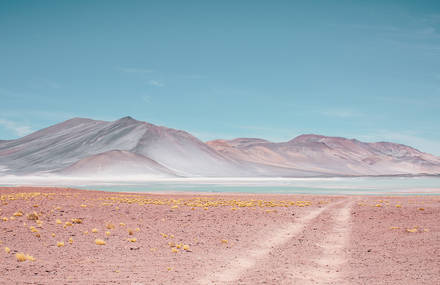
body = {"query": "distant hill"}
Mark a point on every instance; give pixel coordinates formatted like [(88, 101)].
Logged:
[(86, 147)]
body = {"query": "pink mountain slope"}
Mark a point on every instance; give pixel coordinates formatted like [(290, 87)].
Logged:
[(331, 155), (129, 147), (117, 163)]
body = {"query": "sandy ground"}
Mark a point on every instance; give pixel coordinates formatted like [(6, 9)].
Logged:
[(216, 239)]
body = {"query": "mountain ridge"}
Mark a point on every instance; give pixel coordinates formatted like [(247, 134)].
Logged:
[(82, 146)]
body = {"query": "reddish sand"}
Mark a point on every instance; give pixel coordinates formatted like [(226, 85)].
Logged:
[(231, 239)]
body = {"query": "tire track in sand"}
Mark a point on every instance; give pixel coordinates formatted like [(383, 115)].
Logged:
[(326, 264), (234, 269)]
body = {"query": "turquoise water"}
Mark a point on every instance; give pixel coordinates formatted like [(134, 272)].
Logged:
[(332, 186)]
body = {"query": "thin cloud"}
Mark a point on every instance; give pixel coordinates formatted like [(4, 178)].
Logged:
[(18, 129), (38, 114), (155, 83)]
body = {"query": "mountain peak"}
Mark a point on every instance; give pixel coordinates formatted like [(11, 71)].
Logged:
[(307, 138), (127, 119)]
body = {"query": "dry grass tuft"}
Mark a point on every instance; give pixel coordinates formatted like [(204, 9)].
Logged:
[(18, 214), (33, 216), (224, 241), (110, 226), (107, 233), (58, 221), (60, 244), (130, 232), (20, 257), (94, 230), (186, 247), (77, 221), (132, 239), (7, 249), (70, 240), (99, 241), (30, 257)]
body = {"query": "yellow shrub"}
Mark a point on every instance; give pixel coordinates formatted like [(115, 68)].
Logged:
[(99, 242), (20, 257), (110, 226), (32, 216)]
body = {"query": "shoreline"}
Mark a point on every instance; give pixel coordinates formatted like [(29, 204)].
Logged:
[(415, 193), (402, 186)]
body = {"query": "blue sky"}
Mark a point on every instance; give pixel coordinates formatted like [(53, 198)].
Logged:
[(223, 69)]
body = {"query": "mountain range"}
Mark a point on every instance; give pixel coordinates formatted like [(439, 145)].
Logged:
[(85, 148)]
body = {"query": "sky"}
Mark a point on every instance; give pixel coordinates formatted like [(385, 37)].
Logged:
[(223, 69)]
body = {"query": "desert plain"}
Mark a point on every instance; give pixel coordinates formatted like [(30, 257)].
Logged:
[(68, 236)]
